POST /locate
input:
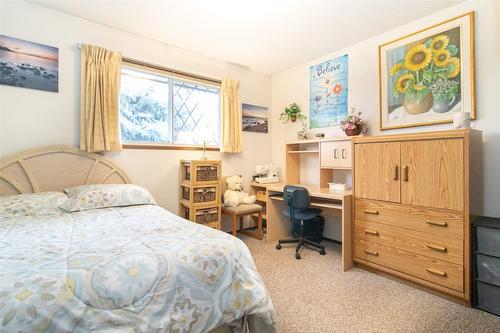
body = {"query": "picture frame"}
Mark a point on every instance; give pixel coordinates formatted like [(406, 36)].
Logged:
[(328, 92), (27, 64), (428, 76), (254, 118)]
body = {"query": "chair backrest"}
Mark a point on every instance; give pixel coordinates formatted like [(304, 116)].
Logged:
[(296, 197)]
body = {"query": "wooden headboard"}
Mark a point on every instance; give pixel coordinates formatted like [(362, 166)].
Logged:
[(54, 168)]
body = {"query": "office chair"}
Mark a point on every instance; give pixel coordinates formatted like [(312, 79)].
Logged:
[(298, 201)]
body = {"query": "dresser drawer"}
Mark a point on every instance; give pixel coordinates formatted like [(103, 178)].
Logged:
[(448, 249), (438, 222), (436, 271), (335, 154)]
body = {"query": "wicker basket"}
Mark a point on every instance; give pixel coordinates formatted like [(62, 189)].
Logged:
[(206, 173), (185, 193), (204, 194), (207, 215), (187, 173), (185, 213)]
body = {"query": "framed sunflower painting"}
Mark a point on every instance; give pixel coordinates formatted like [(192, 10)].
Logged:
[(428, 76)]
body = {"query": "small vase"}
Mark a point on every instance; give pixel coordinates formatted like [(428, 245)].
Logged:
[(414, 107), (441, 106), (352, 132), (293, 118), (301, 135)]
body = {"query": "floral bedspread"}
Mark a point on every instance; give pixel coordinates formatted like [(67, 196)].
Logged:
[(129, 269)]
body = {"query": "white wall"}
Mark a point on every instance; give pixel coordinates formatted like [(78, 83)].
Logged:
[(293, 86), (32, 118)]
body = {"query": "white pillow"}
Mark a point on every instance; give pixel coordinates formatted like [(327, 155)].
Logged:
[(32, 204), (87, 197)]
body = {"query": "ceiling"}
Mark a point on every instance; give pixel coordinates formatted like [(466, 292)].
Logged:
[(268, 36)]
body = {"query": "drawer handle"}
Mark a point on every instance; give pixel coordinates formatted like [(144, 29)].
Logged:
[(344, 154), (435, 271), (436, 247), (373, 253), (335, 153), (371, 232), (405, 173), (440, 224), (371, 211), (395, 172)]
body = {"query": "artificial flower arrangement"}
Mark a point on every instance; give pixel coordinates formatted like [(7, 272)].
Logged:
[(353, 124), (423, 65)]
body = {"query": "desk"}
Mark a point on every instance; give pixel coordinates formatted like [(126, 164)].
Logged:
[(332, 203)]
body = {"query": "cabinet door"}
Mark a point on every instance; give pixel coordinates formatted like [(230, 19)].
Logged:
[(376, 171), (433, 173), (335, 154)]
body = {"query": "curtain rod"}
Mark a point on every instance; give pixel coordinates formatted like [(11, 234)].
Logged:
[(166, 69)]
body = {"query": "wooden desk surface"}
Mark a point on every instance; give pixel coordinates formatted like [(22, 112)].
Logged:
[(314, 191)]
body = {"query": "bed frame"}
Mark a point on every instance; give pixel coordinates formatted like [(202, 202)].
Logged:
[(54, 168)]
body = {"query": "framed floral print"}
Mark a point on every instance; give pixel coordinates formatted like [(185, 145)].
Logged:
[(428, 76)]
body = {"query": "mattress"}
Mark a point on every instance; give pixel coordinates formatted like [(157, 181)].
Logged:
[(126, 269)]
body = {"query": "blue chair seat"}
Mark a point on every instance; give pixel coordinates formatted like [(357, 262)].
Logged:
[(303, 214)]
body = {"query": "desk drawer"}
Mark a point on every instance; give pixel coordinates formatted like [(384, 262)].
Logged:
[(447, 249), (436, 271), (441, 223)]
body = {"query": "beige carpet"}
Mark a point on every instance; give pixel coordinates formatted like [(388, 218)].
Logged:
[(313, 295)]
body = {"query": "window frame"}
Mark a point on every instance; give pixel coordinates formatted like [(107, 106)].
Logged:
[(173, 75)]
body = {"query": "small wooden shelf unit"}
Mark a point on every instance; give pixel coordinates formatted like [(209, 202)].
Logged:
[(199, 191)]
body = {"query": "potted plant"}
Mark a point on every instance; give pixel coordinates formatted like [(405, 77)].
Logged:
[(424, 64), (292, 113), (353, 124), (444, 93)]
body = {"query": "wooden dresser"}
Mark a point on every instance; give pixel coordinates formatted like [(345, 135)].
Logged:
[(413, 195)]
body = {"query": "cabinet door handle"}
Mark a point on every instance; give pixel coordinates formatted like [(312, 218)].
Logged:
[(335, 153), (372, 253), (395, 172), (405, 173), (344, 153), (370, 232), (371, 211), (440, 224), (435, 271), (436, 247)]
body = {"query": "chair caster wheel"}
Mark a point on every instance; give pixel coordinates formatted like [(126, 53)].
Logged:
[(322, 252), (297, 256), (278, 247)]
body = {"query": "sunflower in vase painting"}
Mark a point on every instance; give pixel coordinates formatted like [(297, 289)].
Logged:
[(426, 76)]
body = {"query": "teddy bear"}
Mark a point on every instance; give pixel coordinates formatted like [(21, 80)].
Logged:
[(234, 194)]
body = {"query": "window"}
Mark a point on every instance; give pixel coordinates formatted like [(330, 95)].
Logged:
[(157, 108)]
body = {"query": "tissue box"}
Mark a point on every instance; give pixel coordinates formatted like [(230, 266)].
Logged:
[(338, 187)]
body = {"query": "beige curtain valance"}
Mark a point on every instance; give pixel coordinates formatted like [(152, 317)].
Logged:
[(99, 99), (231, 116)]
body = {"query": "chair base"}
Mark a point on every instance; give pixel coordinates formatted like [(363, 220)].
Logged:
[(301, 241)]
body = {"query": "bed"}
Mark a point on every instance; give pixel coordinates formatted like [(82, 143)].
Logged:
[(137, 268)]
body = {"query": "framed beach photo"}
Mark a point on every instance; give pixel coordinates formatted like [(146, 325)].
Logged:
[(254, 118), (28, 64), (428, 76)]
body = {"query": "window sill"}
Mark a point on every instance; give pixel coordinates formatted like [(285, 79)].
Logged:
[(168, 147)]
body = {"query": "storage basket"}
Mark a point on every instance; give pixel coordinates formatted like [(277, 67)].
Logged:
[(187, 171), (204, 194), (185, 193), (206, 173), (207, 215), (185, 212)]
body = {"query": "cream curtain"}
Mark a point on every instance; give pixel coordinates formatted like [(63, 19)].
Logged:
[(99, 98), (231, 116)]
